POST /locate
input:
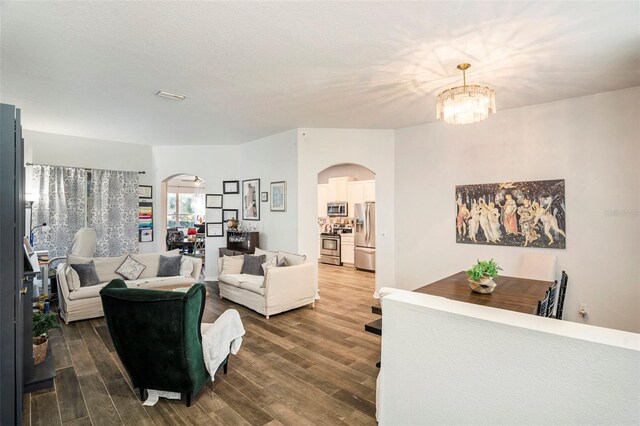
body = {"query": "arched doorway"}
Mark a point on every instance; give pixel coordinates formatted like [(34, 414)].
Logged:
[(346, 219)]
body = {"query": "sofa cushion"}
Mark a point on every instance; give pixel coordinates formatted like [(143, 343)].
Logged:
[(130, 269), (152, 262), (253, 283), (87, 292), (232, 264), (186, 267), (291, 259), (248, 282), (106, 267), (269, 254), (87, 274), (252, 265), (169, 266)]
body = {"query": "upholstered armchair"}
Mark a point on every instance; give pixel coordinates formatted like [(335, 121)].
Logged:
[(157, 336)]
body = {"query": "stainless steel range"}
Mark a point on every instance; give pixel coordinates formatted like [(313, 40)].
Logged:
[(330, 249)]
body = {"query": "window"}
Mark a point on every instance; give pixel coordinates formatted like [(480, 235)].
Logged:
[(184, 210)]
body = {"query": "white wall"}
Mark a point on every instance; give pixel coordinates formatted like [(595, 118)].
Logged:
[(592, 142), (319, 149), (448, 362), (73, 151), (269, 159)]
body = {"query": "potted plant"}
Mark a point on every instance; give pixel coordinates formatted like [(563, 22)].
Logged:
[(481, 276), (42, 323)]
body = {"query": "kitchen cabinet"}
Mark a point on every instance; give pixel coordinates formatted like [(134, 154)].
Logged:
[(322, 199), (338, 188), (369, 190), (361, 191), (346, 248)]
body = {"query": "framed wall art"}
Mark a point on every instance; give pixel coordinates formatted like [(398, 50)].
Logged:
[(228, 214), (230, 187), (519, 214), (213, 201), (214, 229), (145, 221), (145, 192), (279, 196), (250, 204)]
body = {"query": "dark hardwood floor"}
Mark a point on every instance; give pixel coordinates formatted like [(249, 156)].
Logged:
[(306, 366)]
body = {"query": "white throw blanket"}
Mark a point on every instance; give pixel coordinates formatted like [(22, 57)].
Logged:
[(219, 339)]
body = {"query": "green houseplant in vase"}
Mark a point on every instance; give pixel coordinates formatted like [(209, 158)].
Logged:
[(481, 276), (42, 323)]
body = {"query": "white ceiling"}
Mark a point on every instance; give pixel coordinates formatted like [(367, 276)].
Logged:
[(254, 69)]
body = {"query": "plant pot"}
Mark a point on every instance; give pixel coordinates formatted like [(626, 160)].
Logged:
[(484, 285), (40, 346)]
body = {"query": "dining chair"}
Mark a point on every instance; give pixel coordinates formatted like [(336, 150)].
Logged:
[(552, 298), (537, 266), (542, 305), (561, 294)]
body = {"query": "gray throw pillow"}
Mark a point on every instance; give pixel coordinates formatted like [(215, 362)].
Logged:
[(87, 274), (252, 265), (169, 266)]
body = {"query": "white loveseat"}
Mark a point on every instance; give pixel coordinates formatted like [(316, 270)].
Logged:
[(78, 303), (280, 289)]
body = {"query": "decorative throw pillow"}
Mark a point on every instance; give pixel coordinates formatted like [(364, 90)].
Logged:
[(130, 269), (186, 267), (73, 280), (169, 266), (270, 263), (291, 258), (252, 265), (87, 274), (232, 264)]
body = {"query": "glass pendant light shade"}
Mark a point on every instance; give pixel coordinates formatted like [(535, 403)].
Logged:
[(467, 103)]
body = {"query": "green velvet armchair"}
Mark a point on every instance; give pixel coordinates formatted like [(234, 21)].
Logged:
[(157, 336)]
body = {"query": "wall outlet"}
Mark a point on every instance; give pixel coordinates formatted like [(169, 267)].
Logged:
[(583, 310)]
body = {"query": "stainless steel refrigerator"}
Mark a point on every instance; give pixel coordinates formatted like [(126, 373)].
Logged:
[(365, 236)]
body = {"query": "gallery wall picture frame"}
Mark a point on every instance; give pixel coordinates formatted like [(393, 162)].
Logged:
[(214, 215), (228, 214), (230, 187), (214, 229), (145, 221), (278, 196), (145, 235), (264, 197), (145, 192), (213, 201), (250, 204)]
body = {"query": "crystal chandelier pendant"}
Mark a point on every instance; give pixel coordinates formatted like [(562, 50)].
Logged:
[(467, 103)]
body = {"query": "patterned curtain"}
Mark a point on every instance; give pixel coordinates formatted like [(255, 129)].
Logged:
[(62, 205), (113, 211)]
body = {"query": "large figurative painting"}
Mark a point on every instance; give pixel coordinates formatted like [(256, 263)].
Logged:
[(523, 214)]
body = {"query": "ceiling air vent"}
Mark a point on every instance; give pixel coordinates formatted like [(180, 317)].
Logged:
[(169, 95)]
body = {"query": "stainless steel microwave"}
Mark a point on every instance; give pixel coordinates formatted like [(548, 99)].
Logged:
[(339, 209)]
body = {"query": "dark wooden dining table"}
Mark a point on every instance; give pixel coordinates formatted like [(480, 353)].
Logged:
[(511, 293)]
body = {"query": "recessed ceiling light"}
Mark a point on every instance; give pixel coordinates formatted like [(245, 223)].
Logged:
[(169, 95)]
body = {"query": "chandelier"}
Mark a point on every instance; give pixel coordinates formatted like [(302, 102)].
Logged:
[(467, 103)]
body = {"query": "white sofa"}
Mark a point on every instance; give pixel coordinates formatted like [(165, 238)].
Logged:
[(280, 289), (78, 303)]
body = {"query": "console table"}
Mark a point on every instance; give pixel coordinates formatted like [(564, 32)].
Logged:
[(239, 242)]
